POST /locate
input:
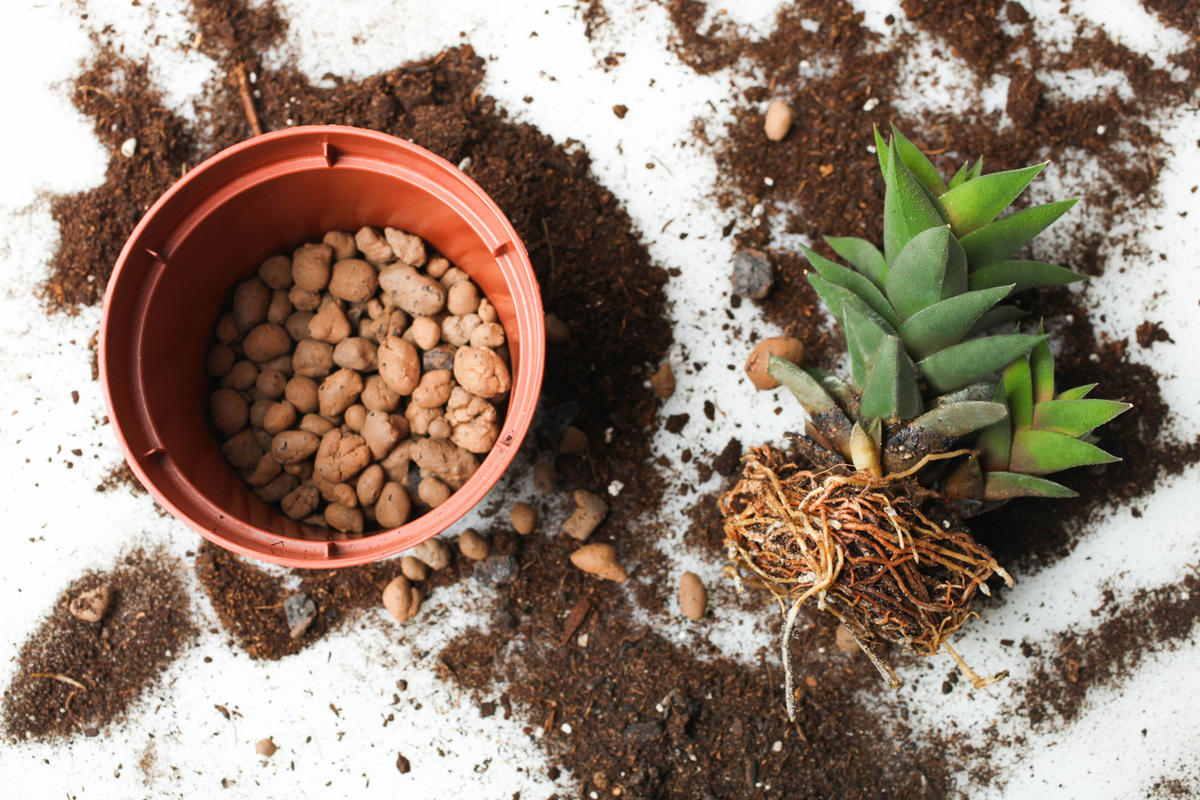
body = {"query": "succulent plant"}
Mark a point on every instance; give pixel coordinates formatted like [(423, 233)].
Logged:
[(922, 436)]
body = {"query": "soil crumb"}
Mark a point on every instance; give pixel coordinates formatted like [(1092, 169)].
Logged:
[(77, 677)]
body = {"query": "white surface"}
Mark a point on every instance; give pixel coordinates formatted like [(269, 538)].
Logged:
[(58, 527)]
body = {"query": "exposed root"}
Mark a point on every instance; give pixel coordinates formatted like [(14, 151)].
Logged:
[(862, 547)]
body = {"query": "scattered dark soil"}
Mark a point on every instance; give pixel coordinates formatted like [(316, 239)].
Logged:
[(77, 677), (1150, 332), (1087, 658), (620, 706)]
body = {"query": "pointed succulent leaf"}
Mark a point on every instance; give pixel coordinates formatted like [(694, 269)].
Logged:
[(1041, 369), (946, 322), (1037, 452), (956, 366), (881, 152), (908, 208), (875, 429), (976, 170), (838, 298), (891, 391), (1024, 274), (804, 387), (983, 390), (1018, 393), (976, 203), (1076, 417), (862, 255), (836, 388), (1078, 393), (998, 240), (849, 279), (918, 163), (827, 423), (863, 337), (994, 442), (959, 177), (998, 317), (959, 419), (931, 267), (1010, 485)]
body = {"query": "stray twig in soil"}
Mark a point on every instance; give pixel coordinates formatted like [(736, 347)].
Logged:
[(58, 676), (239, 72)]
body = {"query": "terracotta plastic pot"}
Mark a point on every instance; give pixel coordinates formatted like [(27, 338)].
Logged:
[(213, 228)]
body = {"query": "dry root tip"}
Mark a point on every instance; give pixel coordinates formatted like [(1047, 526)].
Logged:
[(977, 682)]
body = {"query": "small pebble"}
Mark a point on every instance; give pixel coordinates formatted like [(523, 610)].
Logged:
[(545, 480), (434, 553), (777, 747), (472, 545), (756, 365), (523, 517), (402, 765), (414, 568), (615, 487), (778, 120), (753, 274), (300, 611), (871, 104), (600, 560), (129, 147), (590, 511), (266, 747), (398, 598), (693, 597), (663, 381), (92, 605), (573, 442)]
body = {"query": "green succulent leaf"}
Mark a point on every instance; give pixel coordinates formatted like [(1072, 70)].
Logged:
[(956, 366), (908, 207), (1010, 485), (958, 419), (862, 255), (881, 152), (891, 391), (918, 163), (849, 279), (1078, 393), (946, 322), (1037, 452), (1018, 393), (1041, 368), (835, 387), (804, 387), (998, 240), (931, 267), (959, 177), (1024, 274), (976, 170), (1076, 417), (863, 337), (976, 203), (838, 298)]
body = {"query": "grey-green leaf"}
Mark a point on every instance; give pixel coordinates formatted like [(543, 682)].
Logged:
[(976, 203), (891, 391), (863, 337), (862, 255), (849, 279), (1076, 417), (999, 316), (958, 419), (931, 267), (1024, 274), (908, 208), (946, 322), (998, 240), (1010, 485), (956, 366)]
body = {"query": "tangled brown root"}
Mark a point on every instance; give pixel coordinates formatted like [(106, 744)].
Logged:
[(862, 547)]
